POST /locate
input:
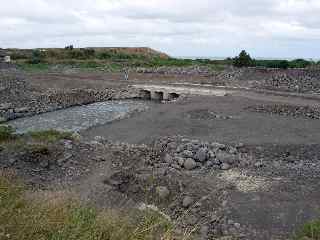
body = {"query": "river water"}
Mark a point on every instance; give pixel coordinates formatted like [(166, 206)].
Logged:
[(79, 118)]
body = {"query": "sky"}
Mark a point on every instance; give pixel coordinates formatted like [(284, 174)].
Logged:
[(265, 28)]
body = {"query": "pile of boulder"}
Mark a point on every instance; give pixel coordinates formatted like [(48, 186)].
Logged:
[(186, 154), (191, 70), (288, 110)]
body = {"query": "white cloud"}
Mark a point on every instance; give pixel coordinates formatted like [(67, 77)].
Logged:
[(181, 27)]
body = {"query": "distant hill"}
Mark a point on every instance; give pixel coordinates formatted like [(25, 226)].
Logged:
[(145, 52)]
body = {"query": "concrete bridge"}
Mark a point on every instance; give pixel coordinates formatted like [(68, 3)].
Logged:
[(169, 92)]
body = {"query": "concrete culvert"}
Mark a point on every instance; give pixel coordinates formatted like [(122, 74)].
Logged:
[(145, 95), (157, 96), (172, 96)]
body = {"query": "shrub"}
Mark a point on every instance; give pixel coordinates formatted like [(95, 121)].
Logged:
[(243, 60), (36, 57)]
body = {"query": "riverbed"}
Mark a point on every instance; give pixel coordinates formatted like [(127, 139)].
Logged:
[(80, 118)]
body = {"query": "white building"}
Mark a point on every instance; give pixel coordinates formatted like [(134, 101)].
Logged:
[(7, 59)]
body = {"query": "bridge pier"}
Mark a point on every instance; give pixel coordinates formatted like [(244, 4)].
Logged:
[(145, 95), (157, 96), (170, 96)]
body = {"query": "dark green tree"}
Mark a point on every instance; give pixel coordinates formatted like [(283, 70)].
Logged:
[(243, 60)]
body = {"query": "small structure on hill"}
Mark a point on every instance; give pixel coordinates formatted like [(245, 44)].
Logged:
[(4, 57)]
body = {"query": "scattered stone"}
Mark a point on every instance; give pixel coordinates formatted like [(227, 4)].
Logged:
[(187, 201), (44, 163), (218, 146), (162, 192), (225, 157), (168, 158), (225, 166), (202, 155), (188, 154), (65, 158), (99, 139), (232, 150), (190, 164), (21, 110), (5, 106), (12, 161), (259, 164), (240, 145), (180, 161)]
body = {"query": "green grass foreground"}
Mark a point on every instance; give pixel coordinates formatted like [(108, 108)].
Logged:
[(310, 231), (27, 218), (8, 134)]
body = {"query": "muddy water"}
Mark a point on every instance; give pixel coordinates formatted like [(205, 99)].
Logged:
[(81, 117)]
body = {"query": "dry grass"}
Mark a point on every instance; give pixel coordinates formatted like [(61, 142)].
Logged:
[(59, 218)]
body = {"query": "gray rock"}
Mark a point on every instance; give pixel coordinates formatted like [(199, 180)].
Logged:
[(211, 154), (21, 110), (187, 154), (187, 201), (68, 144), (225, 166), (225, 157), (3, 120), (44, 163), (209, 164), (259, 164), (5, 106), (168, 158), (190, 164), (180, 161), (204, 231), (162, 192), (99, 139), (180, 148), (233, 150), (240, 145), (65, 158), (218, 145), (12, 161), (202, 155)]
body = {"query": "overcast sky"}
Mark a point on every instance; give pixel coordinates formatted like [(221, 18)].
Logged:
[(265, 28)]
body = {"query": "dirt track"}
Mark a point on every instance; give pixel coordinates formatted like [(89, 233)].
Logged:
[(242, 125)]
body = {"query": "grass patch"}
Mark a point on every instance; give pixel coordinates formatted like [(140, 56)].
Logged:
[(22, 218), (28, 67), (6, 133), (50, 135), (310, 231)]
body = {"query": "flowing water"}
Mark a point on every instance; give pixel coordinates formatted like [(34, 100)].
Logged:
[(79, 118)]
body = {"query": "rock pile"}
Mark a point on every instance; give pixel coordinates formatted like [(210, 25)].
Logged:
[(206, 114), (288, 110), (192, 70), (184, 153)]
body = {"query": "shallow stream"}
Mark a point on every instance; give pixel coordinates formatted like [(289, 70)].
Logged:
[(81, 117)]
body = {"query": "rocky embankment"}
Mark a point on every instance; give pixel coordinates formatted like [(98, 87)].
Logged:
[(288, 110), (18, 99), (292, 80)]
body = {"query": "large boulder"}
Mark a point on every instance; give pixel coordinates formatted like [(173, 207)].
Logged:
[(190, 164)]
